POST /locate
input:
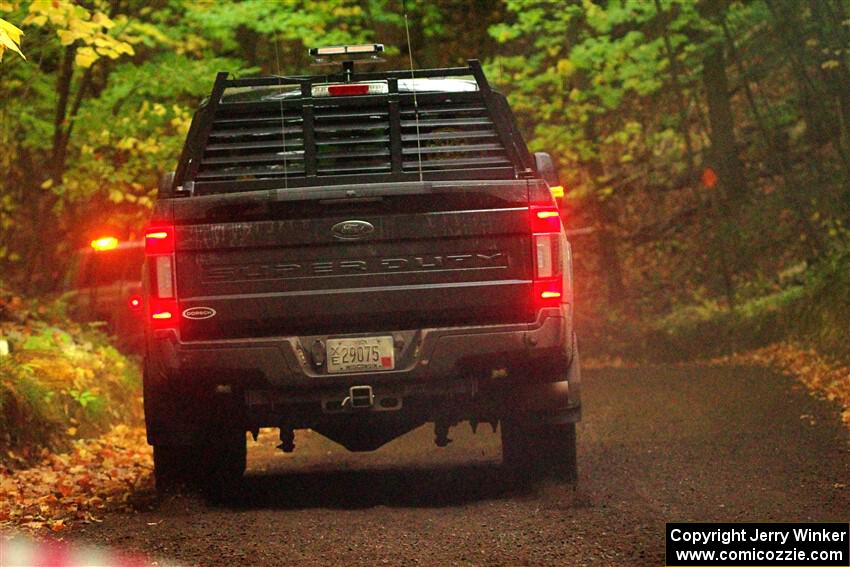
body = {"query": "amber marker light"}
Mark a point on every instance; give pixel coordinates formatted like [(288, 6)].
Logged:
[(104, 243)]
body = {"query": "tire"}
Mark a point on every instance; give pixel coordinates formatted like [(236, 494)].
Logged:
[(533, 449), (174, 466), (224, 460)]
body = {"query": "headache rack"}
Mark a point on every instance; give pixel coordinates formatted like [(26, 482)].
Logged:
[(301, 140)]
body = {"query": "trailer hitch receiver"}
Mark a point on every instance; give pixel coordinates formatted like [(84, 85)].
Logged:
[(360, 397)]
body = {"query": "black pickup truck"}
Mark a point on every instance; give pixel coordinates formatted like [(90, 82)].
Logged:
[(358, 254)]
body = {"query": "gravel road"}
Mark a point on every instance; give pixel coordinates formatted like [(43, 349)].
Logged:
[(657, 444)]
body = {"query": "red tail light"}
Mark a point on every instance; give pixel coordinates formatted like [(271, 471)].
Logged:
[(159, 240), (159, 247), (348, 90), (163, 313), (546, 229), (548, 292), (545, 219)]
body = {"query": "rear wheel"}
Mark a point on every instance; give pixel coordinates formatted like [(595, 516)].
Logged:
[(216, 466), (175, 466), (224, 460), (533, 449)]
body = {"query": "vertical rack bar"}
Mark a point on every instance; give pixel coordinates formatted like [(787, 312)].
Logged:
[(396, 152), (196, 153), (500, 122), (308, 128)]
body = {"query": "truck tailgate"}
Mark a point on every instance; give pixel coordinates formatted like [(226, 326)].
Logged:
[(450, 255)]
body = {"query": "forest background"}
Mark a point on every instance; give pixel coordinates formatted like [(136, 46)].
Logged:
[(704, 144)]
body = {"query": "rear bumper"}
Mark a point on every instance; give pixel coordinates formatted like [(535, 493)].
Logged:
[(424, 355), (453, 373)]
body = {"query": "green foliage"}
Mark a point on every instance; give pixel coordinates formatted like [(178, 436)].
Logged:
[(711, 330), (584, 62), (616, 90), (825, 317), (91, 403), (101, 107), (813, 312), (58, 383)]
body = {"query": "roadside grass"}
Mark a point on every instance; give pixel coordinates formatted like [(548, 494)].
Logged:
[(60, 381), (812, 312), (710, 330), (801, 330), (825, 314)]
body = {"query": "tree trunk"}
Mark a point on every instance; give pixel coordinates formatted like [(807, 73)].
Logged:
[(724, 148), (723, 157), (606, 218), (833, 35), (63, 87), (777, 157), (43, 241), (818, 118), (608, 255)]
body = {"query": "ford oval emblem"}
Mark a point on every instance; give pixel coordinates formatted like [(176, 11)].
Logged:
[(352, 229), (199, 313)]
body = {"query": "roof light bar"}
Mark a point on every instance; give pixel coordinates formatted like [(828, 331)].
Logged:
[(369, 48), (365, 49)]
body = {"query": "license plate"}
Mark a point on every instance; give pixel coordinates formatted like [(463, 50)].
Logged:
[(364, 354)]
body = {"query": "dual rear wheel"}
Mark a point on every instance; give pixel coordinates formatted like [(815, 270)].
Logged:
[(533, 448), (215, 466)]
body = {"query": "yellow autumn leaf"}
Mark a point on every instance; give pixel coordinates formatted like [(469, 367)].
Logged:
[(116, 196), (102, 19), (85, 57), (122, 47), (566, 68), (10, 38), (36, 20), (12, 31), (107, 52), (66, 37)]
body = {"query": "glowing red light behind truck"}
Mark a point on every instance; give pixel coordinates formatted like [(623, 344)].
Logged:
[(104, 284)]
